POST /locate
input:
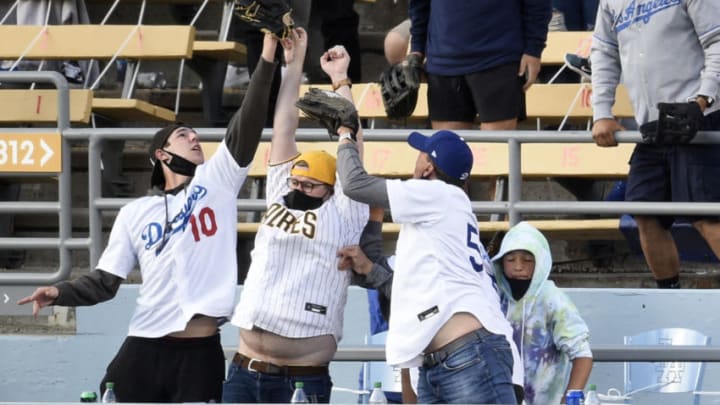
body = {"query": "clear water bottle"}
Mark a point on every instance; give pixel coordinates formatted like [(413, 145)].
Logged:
[(298, 396), (109, 395), (591, 398), (377, 396)]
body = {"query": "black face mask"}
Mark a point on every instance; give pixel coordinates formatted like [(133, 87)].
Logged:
[(518, 287), (180, 165), (297, 200)]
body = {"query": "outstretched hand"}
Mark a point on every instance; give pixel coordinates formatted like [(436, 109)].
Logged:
[(295, 47), (42, 297)]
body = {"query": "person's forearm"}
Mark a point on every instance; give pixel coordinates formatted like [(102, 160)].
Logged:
[(356, 182), (381, 277), (245, 128), (579, 374), (90, 289)]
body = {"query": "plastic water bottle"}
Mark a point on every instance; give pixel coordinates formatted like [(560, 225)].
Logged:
[(109, 395), (591, 398), (377, 396), (298, 396)]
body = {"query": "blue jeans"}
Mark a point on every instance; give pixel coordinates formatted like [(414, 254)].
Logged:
[(244, 387), (480, 372)]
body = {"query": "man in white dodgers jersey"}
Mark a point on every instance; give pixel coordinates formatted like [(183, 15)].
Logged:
[(445, 311), (371, 269), (291, 307), (182, 236)]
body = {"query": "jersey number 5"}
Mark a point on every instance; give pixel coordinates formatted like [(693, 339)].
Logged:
[(473, 242)]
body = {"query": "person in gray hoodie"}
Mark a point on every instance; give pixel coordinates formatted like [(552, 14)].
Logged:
[(662, 51), (547, 328)]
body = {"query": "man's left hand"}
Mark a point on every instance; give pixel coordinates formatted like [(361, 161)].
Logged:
[(530, 68)]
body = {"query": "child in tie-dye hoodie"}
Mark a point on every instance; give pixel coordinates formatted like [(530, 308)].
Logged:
[(552, 337)]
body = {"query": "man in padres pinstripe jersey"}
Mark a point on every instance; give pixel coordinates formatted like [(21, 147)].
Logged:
[(182, 236), (445, 311), (291, 307)]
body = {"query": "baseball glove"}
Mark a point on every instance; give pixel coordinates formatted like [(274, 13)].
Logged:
[(268, 16), (677, 123), (399, 86), (330, 109)]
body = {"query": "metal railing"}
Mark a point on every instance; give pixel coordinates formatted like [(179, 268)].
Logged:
[(63, 207), (514, 206), (604, 353)]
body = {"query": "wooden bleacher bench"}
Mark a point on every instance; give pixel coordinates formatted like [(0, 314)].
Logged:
[(223, 50), (90, 41), (545, 101), (41, 106), (561, 42), (93, 41)]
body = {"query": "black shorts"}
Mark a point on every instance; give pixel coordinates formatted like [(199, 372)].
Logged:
[(680, 173), (495, 94), (168, 370)]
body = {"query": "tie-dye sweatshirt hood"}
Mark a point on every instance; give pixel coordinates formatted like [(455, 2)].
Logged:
[(547, 326)]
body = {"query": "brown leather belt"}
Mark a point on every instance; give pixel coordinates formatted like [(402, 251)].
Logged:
[(438, 356), (272, 369)]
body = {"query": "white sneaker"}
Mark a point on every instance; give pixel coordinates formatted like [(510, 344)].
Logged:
[(236, 77)]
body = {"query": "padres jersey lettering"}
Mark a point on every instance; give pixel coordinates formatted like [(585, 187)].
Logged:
[(293, 287), (281, 217)]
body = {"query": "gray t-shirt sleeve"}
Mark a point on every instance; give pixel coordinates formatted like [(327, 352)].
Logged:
[(356, 182), (90, 289)]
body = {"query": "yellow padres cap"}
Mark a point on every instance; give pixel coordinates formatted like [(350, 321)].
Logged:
[(316, 164)]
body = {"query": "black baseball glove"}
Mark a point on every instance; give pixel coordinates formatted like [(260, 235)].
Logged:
[(268, 16), (330, 109), (399, 86), (677, 123)]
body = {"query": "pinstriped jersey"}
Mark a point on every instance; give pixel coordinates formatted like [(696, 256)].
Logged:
[(293, 287), (189, 263)]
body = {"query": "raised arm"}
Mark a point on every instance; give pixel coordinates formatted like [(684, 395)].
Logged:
[(335, 63), (245, 128), (286, 118)]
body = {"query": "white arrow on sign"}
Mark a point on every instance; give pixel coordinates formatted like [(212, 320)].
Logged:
[(6, 299), (48, 153)]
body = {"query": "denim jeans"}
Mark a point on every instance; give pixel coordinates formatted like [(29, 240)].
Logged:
[(243, 386), (480, 372)]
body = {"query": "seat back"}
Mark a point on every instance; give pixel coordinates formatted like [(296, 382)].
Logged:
[(380, 371), (667, 377)]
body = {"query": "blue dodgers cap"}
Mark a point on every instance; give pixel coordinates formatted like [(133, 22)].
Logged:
[(447, 150)]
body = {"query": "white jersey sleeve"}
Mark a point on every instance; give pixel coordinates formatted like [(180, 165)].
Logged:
[(222, 168), (416, 200), (119, 257)]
